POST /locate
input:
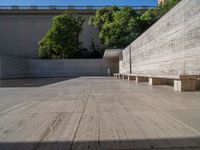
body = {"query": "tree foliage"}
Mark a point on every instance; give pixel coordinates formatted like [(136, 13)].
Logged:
[(104, 15), (164, 8), (148, 18), (61, 41), (92, 52), (119, 27)]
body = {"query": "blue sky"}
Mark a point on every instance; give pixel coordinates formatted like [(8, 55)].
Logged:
[(79, 2)]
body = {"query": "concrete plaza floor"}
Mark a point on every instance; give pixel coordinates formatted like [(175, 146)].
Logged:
[(96, 113)]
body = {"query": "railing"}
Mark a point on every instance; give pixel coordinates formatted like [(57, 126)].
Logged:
[(46, 8)]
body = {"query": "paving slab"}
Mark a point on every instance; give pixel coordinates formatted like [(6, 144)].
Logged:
[(97, 113)]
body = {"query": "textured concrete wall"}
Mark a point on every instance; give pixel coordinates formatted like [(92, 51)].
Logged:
[(20, 33), (12, 67), (171, 47), (70, 67), (124, 64)]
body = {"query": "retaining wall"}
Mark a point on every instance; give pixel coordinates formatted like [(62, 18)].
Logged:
[(170, 48), (70, 67), (12, 67)]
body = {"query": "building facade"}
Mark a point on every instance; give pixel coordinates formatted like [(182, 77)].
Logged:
[(22, 27), (22, 30)]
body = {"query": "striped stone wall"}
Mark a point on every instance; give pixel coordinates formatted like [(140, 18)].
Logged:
[(171, 47)]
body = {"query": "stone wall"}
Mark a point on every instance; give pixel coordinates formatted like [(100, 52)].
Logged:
[(171, 47), (124, 64), (70, 67), (12, 67), (21, 32)]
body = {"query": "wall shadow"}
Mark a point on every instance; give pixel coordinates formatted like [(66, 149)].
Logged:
[(153, 144), (32, 82)]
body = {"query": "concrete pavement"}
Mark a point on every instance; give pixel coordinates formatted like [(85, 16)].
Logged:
[(98, 113)]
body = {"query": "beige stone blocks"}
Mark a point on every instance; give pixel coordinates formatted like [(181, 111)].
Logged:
[(156, 81), (124, 77), (168, 53), (141, 79), (198, 84), (185, 85), (131, 78)]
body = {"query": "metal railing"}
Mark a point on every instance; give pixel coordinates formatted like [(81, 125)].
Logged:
[(46, 8)]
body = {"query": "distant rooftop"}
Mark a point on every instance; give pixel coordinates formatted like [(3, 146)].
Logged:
[(61, 8)]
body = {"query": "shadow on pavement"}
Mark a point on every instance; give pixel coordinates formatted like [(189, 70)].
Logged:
[(145, 144), (31, 82)]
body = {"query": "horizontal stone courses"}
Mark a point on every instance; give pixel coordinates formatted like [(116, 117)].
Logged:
[(155, 43), (175, 30), (13, 67), (170, 48), (144, 36), (167, 59)]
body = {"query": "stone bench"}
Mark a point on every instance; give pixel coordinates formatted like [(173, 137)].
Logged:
[(120, 76), (124, 76), (117, 75), (180, 83), (198, 84)]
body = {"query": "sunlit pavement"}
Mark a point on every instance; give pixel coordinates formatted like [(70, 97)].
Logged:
[(96, 113)]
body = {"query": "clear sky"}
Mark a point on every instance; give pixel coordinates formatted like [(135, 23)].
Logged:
[(79, 2)]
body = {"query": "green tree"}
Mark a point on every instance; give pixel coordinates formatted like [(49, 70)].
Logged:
[(118, 27), (61, 41), (169, 4), (148, 18), (103, 16), (152, 15), (94, 51)]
